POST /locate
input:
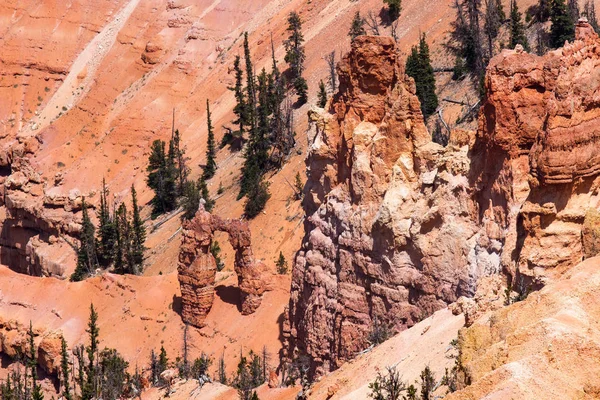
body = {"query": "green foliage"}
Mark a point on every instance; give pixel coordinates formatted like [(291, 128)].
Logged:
[(107, 231), (87, 260), (65, 371), (466, 36), (163, 360), (209, 203), (589, 10), (380, 332), (211, 165), (494, 17), (543, 10), (418, 66), (298, 186), (517, 29), (281, 264), (114, 374), (388, 386), (215, 250), (89, 389), (301, 88), (191, 200), (427, 384), (138, 236), (221, 371), (257, 199), (459, 70), (36, 390), (200, 366), (249, 375), (394, 8), (295, 55), (322, 95), (240, 97), (563, 27), (161, 178), (357, 28)]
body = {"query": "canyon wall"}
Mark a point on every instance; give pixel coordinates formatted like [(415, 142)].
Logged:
[(398, 227)]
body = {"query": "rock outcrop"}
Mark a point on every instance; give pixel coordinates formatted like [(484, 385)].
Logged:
[(536, 161), (390, 233), (197, 267)]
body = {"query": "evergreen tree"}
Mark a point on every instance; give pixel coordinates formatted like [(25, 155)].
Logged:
[(466, 36), (163, 361), (394, 8), (211, 164), (154, 373), (222, 372), (298, 186), (36, 390), (65, 371), (250, 87), (113, 374), (418, 66), (90, 387), (357, 27), (590, 12), (322, 95), (106, 230), (573, 6), (281, 264), (191, 200), (494, 16), (203, 189), (240, 107), (243, 380), (177, 162), (87, 260), (517, 29), (257, 199), (215, 250), (161, 178), (562, 28), (543, 10), (138, 236), (427, 384), (295, 55), (124, 262)]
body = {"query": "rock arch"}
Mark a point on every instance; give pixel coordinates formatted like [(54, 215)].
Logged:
[(197, 268)]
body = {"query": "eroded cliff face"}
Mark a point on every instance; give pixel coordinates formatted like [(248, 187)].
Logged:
[(538, 159), (390, 233), (399, 227)]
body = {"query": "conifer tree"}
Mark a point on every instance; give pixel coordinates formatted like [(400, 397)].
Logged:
[(295, 56), (87, 259), (418, 66), (322, 95), (466, 35), (543, 10), (517, 29), (161, 178), (123, 254), (106, 230), (240, 107), (204, 193), (191, 200), (257, 199), (90, 387), (574, 12), (178, 162), (36, 390), (250, 87), (563, 28), (357, 28), (138, 235), (65, 371), (494, 16), (281, 264), (222, 372), (394, 8), (163, 361), (211, 165)]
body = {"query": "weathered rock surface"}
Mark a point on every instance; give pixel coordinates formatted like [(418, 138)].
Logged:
[(545, 347), (390, 233), (197, 267)]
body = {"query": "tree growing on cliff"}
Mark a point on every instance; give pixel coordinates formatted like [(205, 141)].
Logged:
[(394, 8), (295, 56), (418, 66), (65, 371), (36, 389), (466, 36), (89, 389), (281, 264), (543, 10), (563, 28), (178, 162), (138, 235), (257, 198), (211, 165), (358, 27), (574, 12), (517, 29), (387, 386), (494, 17), (215, 250), (87, 259), (427, 384), (240, 109), (161, 179), (113, 374), (221, 371)]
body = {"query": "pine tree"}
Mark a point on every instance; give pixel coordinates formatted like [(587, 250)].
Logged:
[(322, 95), (191, 200), (250, 87), (36, 390), (154, 373), (466, 35), (161, 178), (562, 28), (204, 193), (590, 12), (240, 107), (211, 165), (87, 259), (543, 10), (257, 199), (123, 256), (65, 371), (394, 8), (178, 162), (163, 361), (138, 235), (90, 387), (281, 264), (494, 16), (298, 186), (222, 372), (418, 66), (574, 12), (295, 55), (106, 230), (427, 384), (517, 30), (357, 28)]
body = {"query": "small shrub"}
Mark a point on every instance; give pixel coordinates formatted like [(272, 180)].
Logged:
[(388, 386)]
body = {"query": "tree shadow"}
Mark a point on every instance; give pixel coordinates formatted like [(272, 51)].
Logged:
[(229, 295), (177, 304)]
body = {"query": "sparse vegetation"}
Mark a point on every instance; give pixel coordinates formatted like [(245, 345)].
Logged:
[(281, 264)]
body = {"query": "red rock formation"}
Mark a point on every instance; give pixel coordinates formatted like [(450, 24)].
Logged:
[(538, 153), (390, 233), (197, 267)]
